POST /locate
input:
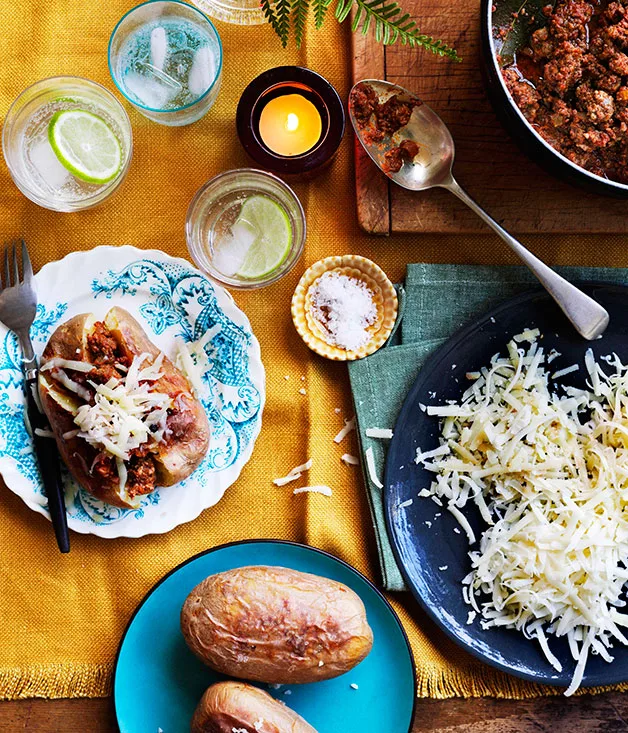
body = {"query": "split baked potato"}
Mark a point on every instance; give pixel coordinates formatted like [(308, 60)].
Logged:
[(229, 706), (276, 625), (118, 443)]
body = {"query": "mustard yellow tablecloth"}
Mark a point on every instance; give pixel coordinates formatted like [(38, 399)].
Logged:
[(61, 617)]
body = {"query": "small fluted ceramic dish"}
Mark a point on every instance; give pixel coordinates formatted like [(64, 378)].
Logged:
[(313, 332)]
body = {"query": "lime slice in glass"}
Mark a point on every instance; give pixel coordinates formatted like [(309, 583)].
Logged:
[(85, 145), (273, 236)]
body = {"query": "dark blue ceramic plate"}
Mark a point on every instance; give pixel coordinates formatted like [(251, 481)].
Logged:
[(158, 681), (422, 549)]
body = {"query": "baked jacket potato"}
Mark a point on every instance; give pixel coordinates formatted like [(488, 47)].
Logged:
[(85, 355), (229, 706), (276, 625)]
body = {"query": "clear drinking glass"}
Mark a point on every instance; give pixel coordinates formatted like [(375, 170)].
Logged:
[(165, 57), (31, 160), (215, 213), (238, 12)]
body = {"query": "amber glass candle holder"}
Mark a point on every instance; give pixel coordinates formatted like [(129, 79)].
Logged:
[(308, 121)]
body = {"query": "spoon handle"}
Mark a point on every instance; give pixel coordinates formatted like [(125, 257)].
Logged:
[(587, 316)]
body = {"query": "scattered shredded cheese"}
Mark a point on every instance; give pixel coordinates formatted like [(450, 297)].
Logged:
[(370, 464), (565, 371), (381, 433), (406, 503), (325, 490), (549, 476), (44, 433), (286, 479), (349, 459), (294, 474), (349, 426), (192, 358)]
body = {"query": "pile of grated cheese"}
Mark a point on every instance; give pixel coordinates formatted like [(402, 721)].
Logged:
[(125, 413), (549, 475)]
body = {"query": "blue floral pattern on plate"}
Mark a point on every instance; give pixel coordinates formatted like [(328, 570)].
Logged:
[(173, 301)]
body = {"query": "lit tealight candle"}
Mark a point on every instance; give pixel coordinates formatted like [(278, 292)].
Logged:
[(290, 125)]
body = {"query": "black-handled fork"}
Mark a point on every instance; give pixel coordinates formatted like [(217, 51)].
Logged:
[(18, 306)]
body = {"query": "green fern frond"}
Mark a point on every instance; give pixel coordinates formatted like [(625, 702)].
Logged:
[(269, 13), (278, 15), (320, 10), (299, 18), (391, 24), (388, 22)]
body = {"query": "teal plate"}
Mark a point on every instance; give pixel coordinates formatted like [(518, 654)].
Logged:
[(158, 681)]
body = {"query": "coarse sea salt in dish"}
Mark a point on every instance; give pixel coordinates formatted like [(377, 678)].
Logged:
[(547, 467), (344, 308)]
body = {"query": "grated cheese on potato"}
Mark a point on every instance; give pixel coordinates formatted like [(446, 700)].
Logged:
[(125, 413), (548, 473)]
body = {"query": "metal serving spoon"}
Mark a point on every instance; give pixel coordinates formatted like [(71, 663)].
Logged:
[(432, 167)]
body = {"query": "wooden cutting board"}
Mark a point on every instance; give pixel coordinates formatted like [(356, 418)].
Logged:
[(517, 192)]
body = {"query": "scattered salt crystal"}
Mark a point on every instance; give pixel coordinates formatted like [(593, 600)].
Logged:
[(287, 377), (302, 391), (337, 410), (259, 724), (353, 686), (443, 567), (344, 307), (202, 72), (287, 692), (320, 663), (302, 378), (158, 47)]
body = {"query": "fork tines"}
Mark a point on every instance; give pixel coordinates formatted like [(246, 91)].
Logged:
[(11, 275)]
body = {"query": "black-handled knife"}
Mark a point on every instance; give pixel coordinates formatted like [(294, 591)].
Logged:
[(48, 458)]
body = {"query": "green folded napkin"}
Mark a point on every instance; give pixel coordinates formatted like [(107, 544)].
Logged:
[(439, 299)]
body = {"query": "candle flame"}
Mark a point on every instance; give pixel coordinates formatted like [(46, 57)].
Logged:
[(292, 122)]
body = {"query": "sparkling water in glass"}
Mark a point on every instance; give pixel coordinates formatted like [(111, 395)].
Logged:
[(166, 58), (32, 162)]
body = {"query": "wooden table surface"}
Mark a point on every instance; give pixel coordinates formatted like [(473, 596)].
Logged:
[(587, 714)]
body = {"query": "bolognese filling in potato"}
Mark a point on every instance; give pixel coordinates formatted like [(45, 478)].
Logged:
[(121, 420)]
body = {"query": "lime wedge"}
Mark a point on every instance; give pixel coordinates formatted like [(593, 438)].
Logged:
[(85, 145), (270, 225)]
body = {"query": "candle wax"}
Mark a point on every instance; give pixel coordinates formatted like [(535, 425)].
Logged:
[(290, 125)]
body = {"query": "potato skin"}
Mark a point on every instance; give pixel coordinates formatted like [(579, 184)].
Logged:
[(174, 461), (276, 625), (228, 706)]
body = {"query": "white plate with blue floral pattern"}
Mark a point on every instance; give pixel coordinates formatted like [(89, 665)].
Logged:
[(172, 300)]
